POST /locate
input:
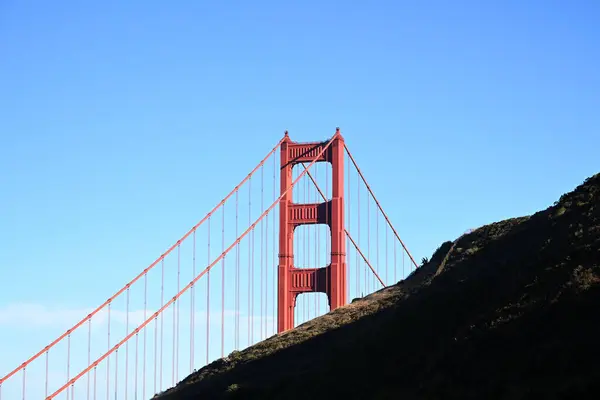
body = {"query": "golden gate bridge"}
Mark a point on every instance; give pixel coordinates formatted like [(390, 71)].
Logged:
[(301, 234)]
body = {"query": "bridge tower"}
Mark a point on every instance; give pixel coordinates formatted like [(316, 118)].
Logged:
[(329, 279)]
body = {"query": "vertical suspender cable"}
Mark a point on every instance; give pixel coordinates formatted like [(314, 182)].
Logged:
[(237, 276), (24, 381), (349, 229), (135, 371), (386, 255), (178, 313), (145, 341), (253, 237), (208, 299), (68, 365), (47, 355), (193, 305), (155, 357), (267, 274), (249, 261), (174, 344), (395, 264), (358, 213), (377, 240), (127, 345), (369, 280), (89, 360), (108, 360), (223, 285), (262, 267), (162, 324), (116, 373)]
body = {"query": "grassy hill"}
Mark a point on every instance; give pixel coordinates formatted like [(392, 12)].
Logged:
[(508, 311)]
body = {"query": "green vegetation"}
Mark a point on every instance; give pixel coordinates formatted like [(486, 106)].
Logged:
[(506, 311)]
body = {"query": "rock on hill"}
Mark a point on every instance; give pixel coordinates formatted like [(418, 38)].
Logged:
[(508, 311)]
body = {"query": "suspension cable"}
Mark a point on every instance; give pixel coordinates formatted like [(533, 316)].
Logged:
[(205, 271), (208, 298), (223, 286), (262, 241), (345, 230), (193, 306), (237, 275), (379, 206), (151, 266)]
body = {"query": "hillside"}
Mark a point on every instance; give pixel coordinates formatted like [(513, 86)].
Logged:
[(508, 311)]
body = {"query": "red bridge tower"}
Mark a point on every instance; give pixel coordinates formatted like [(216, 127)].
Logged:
[(330, 279)]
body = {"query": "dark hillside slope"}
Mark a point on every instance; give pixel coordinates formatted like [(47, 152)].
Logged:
[(509, 311)]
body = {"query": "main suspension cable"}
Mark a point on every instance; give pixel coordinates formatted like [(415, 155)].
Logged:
[(379, 206), (205, 271), (140, 275)]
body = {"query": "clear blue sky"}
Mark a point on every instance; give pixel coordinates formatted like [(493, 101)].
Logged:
[(123, 124)]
